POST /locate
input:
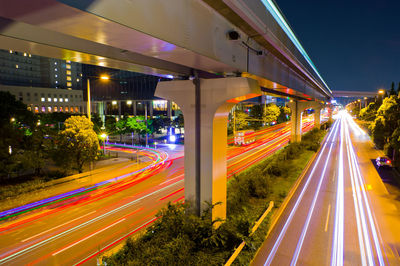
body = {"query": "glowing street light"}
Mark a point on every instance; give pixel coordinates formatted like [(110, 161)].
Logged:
[(381, 91), (105, 77), (103, 136)]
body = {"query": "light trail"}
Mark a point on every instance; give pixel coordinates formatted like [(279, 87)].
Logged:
[(364, 204), (337, 252), (123, 184), (311, 210), (299, 198)]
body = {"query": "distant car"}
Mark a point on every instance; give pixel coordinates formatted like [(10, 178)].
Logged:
[(383, 162)]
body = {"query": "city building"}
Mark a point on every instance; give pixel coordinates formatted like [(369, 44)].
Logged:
[(47, 100)]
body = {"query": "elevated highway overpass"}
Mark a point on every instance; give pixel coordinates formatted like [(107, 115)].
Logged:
[(219, 52)]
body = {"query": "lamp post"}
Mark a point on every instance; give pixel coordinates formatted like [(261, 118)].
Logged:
[(102, 77)]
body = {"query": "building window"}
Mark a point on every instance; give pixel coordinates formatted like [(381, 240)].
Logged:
[(76, 109), (49, 109), (36, 109), (66, 100), (68, 72), (55, 100), (55, 109), (56, 75), (43, 109), (61, 100), (60, 109), (66, 109), (68, 66), (49, 99), (16, 66), (69, 62), (69, 78), (42, 99), (55, 69), (69, 84)]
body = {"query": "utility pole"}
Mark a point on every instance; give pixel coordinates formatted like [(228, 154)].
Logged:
[(88, 99), (145, 118), (234, 121)]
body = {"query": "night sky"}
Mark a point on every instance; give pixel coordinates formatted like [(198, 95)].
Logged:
[(354, 44)]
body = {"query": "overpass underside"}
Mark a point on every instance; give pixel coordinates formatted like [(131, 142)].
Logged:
[(183, 39)]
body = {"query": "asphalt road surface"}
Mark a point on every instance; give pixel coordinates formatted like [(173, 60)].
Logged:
[(78, 230), (340, 213)]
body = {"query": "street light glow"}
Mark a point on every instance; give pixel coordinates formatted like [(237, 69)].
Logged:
[(381, 91), (129, 102), (104, 77), (103, 136)]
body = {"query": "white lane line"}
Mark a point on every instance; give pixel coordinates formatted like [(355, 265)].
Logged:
[(311, 210), (87, 237), (7, 257), (80, 217), (327, 218), (169, 180), (292, 212)]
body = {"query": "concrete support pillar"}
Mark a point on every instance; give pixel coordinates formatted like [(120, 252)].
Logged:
[(209, 101), (150, 108), (297, 109), (317, 117), (134, 107), (296, 119), (169, 109), (119, 108)]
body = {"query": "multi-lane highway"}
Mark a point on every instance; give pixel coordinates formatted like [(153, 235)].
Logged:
[(331, 218), (80, 228)]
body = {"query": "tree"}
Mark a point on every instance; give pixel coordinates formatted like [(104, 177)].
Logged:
[(271, 113), (284, 114), (256, 113), (398, 89), (137, 125), (392, 90), (241, 120), (378, 132), (37, 148), (121, 128), (78, 143), (97, 123), (369, 113), (178, 122), (110, 123), (15, 122)]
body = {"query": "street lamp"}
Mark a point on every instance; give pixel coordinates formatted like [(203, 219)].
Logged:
[(104, 137), (381, 92), (102, 77)]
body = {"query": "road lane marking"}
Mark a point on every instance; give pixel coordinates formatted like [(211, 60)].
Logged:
[(89, 236), (327, 218), (311, 210), (29, 238), (6, 257)]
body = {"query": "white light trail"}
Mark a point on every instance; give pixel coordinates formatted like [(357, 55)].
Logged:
[(293, 211), (311, 210), (337, 252)]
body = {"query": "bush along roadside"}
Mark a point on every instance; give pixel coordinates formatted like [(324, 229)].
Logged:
[(181, 238)]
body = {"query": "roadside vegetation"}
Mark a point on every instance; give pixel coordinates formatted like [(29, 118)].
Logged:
[(382, 120), (180, 238)]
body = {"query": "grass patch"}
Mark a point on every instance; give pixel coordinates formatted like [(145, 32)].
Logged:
[(181, 238)]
